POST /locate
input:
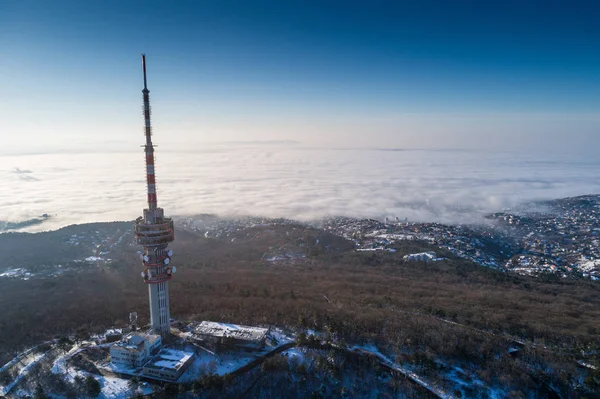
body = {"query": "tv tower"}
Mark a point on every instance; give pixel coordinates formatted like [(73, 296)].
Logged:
[(154, 232)]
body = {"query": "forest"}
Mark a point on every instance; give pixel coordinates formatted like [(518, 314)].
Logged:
[(432, 315)]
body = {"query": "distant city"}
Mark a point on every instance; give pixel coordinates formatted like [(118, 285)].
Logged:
[(559, 238)]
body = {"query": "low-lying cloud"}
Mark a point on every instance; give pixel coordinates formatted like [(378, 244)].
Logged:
[(24, 174), (288, 181), (20, 171)]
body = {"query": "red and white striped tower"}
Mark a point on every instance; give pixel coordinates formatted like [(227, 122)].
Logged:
[(154, 232)]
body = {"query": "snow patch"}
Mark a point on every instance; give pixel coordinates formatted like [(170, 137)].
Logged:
[(20, 272), (22, 373)]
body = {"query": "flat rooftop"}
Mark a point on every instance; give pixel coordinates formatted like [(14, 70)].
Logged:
[(169, 359), (135, 340), (225, 330)]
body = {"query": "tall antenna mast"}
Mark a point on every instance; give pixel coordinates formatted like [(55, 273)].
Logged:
[(150, 178)]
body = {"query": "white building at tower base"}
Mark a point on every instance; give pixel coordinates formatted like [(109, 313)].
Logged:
[(134, 350)]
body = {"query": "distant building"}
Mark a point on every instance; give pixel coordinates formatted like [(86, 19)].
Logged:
[(422, 257), (134, 349), (168, 364), (113, 335), (222, 334)]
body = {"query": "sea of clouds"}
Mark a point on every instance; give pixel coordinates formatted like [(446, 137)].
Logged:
[(284, 180)]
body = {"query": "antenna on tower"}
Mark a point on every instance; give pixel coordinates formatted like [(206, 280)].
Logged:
[(144, 68), (133, 317), (149, 148)]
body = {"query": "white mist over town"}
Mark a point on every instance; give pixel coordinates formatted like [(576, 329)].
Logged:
[(288, 180)]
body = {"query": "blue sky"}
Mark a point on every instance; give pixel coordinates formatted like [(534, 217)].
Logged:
[(372, 73)]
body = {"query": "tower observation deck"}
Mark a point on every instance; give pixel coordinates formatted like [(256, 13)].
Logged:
[(154, 232)]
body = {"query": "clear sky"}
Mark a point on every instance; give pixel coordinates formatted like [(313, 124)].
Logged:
[(408, 74)]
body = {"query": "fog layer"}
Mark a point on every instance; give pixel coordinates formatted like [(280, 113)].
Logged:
[(287, 181)]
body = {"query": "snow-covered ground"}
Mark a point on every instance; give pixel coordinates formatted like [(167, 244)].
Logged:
[(19, 272), (21, 356), (372, 349), (589, 268), (285, 256), (294, 355), (279, 337), (111, 387), (119, 368), (60, 363), (460, 378), (28, 362), (376, 249), (227, 362), (114, 388), (217, 363), (93, 259), (464, 379), (396, 237)]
